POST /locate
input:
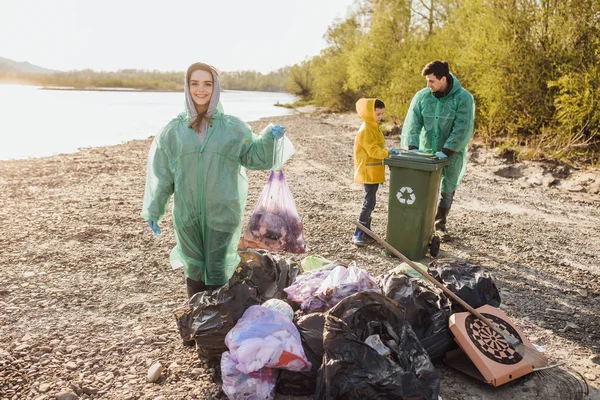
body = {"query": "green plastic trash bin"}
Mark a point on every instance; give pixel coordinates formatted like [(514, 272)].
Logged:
[(414, 190)]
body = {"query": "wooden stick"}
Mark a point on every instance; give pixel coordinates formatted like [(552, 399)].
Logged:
[(506, 336)]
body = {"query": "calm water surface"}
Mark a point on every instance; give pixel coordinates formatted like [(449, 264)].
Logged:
[(37, 123)]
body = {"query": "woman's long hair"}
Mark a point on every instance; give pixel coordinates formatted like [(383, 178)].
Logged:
[(195, 124)]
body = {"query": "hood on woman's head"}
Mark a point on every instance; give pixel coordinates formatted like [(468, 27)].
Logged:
[(214, 100)]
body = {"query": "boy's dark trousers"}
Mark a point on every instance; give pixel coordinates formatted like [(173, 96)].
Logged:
[(367, 209)]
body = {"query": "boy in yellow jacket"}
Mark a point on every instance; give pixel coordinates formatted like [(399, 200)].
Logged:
[(369, 152)]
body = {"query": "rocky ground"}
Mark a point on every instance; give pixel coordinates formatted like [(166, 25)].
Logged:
[(87, 293)]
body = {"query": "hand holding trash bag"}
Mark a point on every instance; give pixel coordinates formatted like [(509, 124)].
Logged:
[(393, 151), (277, 131), (441, 155)]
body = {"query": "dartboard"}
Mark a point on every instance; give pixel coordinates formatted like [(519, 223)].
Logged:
[(489, 342)]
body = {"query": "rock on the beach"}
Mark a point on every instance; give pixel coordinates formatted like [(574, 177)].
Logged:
[(154, 372), (66, 395), (71, 365), (44, 387)]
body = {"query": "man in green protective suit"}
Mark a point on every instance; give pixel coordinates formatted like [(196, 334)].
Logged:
[(440, 121), (200, 158)]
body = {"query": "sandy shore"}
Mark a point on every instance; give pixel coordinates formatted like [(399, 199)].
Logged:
[(86, 292)]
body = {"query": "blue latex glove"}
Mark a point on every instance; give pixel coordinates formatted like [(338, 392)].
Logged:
[(393, 151), (417, 151), (154, 226), (441, 155), (277, 131)]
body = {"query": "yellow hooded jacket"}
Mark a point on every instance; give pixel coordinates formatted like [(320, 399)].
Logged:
[(369, 146)]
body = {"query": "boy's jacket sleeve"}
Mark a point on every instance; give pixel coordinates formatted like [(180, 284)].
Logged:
[(369, 142)]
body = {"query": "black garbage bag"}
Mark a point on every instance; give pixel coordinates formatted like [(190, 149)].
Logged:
[(270, 274), (468, 281), (209, 315), (303, 383), (352, 369), (427, 310)]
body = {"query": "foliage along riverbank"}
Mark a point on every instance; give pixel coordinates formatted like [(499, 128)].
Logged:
[(533, 67), (144, 80)]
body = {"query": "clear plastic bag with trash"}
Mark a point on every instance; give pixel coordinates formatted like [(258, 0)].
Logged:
[(266, 338), (275, 224), (257, 385), (325, 287)]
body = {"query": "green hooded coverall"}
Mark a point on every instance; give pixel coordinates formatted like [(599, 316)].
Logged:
[(205, 173), (433, 123)]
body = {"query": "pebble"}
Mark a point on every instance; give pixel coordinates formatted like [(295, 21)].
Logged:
[(137, 340), (154, 372), (582, 293), (44, 387), (71, 365), (66, 395), (590, 377)]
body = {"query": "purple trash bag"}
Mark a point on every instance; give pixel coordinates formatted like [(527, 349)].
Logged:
[(275, 224)]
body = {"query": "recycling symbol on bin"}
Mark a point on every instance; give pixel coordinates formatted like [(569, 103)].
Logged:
[(401, 195)]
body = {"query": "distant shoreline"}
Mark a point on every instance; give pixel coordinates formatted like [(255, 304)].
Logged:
[(103, 89)]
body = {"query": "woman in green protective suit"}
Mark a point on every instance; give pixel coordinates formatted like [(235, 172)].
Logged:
[(200, 158)]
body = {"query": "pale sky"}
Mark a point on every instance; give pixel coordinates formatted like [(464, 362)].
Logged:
[(260, 35)]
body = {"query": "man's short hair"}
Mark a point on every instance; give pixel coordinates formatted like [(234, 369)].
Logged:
[(379, 104), (438, 68)]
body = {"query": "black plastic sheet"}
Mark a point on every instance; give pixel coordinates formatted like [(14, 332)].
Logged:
[(354, 370), (427, 311), (304, 383), (468, 281)]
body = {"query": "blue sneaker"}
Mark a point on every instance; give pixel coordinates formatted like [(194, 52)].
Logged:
[(357, 240)]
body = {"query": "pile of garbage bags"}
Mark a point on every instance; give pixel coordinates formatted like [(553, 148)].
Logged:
[(208, 316), (352, 336)]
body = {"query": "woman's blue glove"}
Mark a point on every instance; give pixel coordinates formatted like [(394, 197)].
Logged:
[(417, 151), (154, 226), (393, 151), (441, 155), (277, 131)]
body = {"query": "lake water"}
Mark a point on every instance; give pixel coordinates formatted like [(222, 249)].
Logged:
[(37, 123)]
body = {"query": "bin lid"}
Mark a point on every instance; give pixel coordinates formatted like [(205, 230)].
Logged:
[(414, 160)]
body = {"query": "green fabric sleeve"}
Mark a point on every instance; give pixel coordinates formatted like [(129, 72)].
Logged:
[(411, 129), (257, 150), (462, 129), (159, 184)]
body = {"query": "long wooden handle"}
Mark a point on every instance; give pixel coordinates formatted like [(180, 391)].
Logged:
[(430, 278)]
